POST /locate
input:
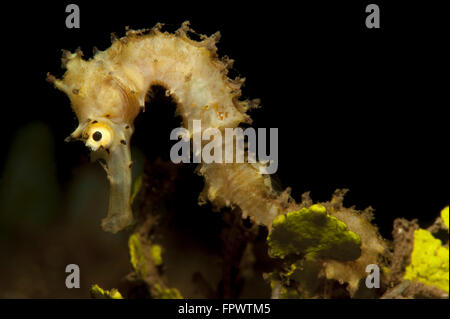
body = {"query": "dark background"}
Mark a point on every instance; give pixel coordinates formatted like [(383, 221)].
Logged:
[(356, 108)]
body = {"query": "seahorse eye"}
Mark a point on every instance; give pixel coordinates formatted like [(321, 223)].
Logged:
[(100, 135), (97, 136)]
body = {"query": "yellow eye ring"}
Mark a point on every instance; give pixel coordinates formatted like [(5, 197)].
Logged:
[(99, 135)]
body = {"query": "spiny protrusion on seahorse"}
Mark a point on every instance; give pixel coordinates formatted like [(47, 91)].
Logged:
[(108, 91), (242, 185)]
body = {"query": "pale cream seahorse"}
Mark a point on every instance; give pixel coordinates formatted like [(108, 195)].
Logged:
[(108, 91)]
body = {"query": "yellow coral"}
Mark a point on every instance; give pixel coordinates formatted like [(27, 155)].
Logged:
[(444, 216), (100, 293), (429, 261), (313, 232), (156, 255), (137, 257), (168, 293)]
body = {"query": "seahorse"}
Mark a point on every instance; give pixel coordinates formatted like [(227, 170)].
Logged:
[(108, 91)]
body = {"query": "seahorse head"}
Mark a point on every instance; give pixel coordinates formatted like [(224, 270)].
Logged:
[(106, 109)]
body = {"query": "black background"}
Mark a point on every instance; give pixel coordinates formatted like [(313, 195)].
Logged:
[(356, 108)]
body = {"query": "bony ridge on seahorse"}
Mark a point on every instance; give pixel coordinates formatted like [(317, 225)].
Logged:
[(108, 91)]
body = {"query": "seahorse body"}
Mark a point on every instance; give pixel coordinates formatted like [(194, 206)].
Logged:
[(108, 91)]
